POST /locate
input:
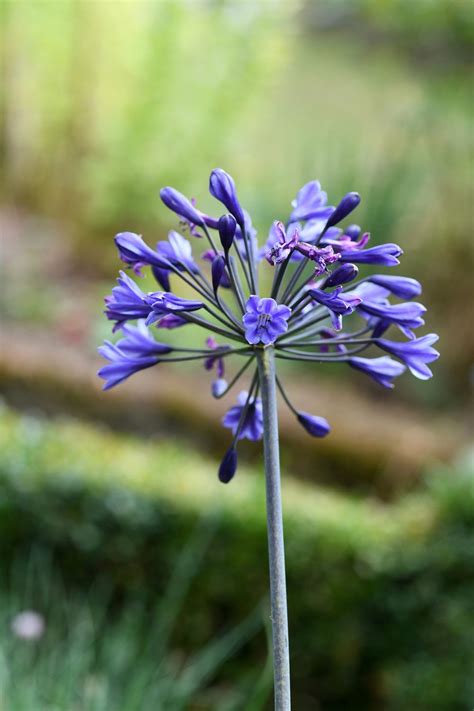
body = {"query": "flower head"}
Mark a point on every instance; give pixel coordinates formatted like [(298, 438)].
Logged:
[(315, 312)]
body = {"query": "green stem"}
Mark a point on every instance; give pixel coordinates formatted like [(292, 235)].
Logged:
[(276, 547)]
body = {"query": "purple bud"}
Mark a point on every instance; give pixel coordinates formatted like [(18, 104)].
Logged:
[(180, 204), (218, 387), (353, 231), (348, 203), (341, 275), (217, 271), (228, 465), (316, 426), (162, 277), (227, 227), (222, 187)]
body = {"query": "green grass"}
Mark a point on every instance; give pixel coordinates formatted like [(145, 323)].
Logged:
[(96, 655)]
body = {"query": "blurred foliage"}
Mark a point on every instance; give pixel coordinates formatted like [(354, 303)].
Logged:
[(438, 30), (381, 596), (95, 654), (127, 96), (103, 103)]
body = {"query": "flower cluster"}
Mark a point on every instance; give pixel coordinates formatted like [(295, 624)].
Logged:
[(318, 310)]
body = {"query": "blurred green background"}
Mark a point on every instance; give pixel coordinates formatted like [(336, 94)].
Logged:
[(150, 576)]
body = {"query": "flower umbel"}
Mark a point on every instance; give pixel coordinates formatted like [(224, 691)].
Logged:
[(312, 314)]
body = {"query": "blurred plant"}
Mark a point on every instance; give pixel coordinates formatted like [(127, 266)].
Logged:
[(113, 82), (301, 320), (92, 655)]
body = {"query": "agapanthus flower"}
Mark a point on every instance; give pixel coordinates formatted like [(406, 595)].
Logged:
[(264, 320), (245, 419), (319, 308)]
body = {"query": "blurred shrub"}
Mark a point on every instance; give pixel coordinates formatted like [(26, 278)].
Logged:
[(439, 30), (105, 102), (381, 598), (94, 654)]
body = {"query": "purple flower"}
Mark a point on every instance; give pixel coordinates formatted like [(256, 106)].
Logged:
[(310, 203), (342, 275), (171, 321), (227, 228), (180, 204), (279, 243), (228, 466), (210, 256), (315, 426), (265, 320), (353, 232), (403, 287), (139, 343), (407, 315), (215, 360), (127, 302), (162, 276), (322, 256), (222, 187), (415, 353), (348, 203), (217, 272), (252, 423), (382, 369), (384, 255), (122, 366), (218, 387), (136, 253), (163, 303), (338, 303), (178, 252)]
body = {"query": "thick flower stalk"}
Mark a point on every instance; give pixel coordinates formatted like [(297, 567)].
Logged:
[(319, 309)]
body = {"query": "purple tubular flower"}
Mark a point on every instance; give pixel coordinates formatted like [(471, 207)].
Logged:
[(180, 204), (139, 343), (163, 303), (382, 369), (227, 226), (228, 466), (252, 426), (338, 303), (121, 365), (403, 287), (136, 253), (415, 353), (315, 426), (171, 321), (217, 271), (222, 187), (178, 252), (384, 255), (407, 314), (348, 203), (265, 320), (342, 275), (310, 203), (127, 302)]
